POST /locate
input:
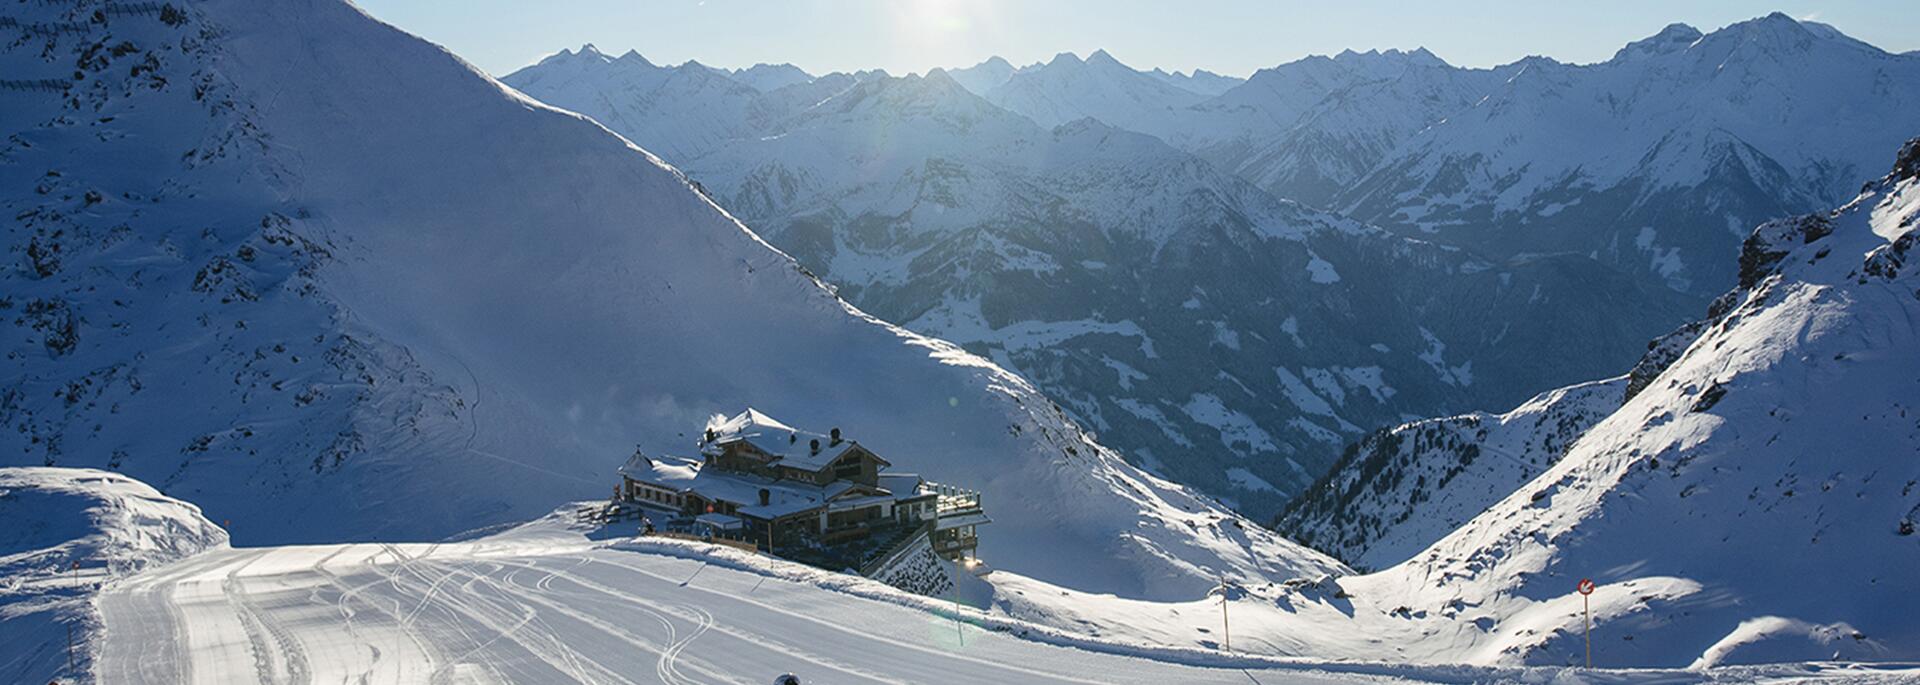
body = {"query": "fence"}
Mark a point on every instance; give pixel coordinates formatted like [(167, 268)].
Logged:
[(737, 543)]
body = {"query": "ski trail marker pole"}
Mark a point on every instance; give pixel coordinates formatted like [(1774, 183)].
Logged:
[(1585, 588)]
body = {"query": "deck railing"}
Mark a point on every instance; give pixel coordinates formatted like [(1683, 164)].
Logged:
[(954, 499)]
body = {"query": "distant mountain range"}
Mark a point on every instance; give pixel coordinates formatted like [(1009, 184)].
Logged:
[(1162, 287), (947, 200)]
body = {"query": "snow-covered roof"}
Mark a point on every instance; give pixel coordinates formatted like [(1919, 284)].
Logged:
[(790, 446), (751, 424), (636, 464), (807, 459), (902, 485)]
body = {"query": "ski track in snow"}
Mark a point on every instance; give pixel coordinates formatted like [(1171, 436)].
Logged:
[(478, 612)]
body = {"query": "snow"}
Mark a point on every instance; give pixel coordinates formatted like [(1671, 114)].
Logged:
[(1677, 132), (1436, 357), (1068, 88), (1301, 395), (347, 339), (1237, 430), (1158, 418), (1322, 271), (324, 338), (551, 600), (1723, 516), (1406, 488), (1244, 479), (66, 533)]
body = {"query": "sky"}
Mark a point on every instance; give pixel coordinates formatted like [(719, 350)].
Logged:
[(1234, 38)]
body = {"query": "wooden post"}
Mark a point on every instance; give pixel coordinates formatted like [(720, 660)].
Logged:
[(1226, 629)]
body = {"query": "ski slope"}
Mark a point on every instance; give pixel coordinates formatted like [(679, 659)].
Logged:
[(548, 609), (545, 604)]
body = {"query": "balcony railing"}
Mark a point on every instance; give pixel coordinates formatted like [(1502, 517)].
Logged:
[(953, 499)]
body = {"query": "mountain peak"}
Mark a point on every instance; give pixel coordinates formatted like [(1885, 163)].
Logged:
[(587, 54), (1674, 38), (634, 57), (1101, 57), (1777, 24), (1424, 57), (1065, 59)]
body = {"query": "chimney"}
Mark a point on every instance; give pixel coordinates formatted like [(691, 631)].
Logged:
[(710, 435), (765, 496), (835, 433), (815, 444)]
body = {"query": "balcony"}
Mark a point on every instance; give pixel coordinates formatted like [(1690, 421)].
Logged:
[(953, 500)]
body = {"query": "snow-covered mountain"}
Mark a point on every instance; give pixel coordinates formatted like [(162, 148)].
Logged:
[(982, 78), (770, 77), (1199, 80), (1402, 488), (930, 206), (1198, 323), (1756, 500), (1309, 129), (675, 111), (1657, 160), (329, 282), (1068, 88), (1776, 453)]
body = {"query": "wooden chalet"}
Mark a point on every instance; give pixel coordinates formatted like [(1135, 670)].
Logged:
[(768, 481)]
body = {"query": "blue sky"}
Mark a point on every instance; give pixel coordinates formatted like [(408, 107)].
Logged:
[(1229, 37)]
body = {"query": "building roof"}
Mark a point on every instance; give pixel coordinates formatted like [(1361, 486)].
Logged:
[(751, 424), (904, 485), (789, 446)]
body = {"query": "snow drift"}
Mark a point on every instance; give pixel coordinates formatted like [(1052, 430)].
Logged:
[(63, 532)]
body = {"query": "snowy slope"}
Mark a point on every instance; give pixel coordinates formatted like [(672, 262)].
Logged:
[(1767, 476), (1755, 502), (1402, 488), (470, 308), (109, 525), (1068, 88), (1659, 159)]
